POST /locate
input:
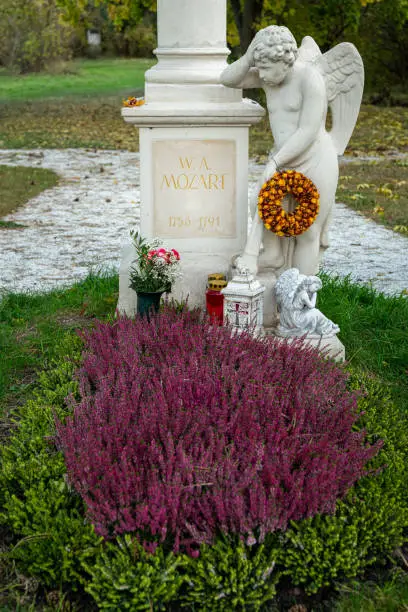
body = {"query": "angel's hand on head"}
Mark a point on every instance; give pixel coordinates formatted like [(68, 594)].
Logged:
[(250, 52)]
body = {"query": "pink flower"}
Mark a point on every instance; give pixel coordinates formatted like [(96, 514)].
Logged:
[(163, 254), (152, 254), (176, 254)]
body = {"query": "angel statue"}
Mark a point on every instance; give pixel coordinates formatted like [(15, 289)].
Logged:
[(299, 85), (295, 295)]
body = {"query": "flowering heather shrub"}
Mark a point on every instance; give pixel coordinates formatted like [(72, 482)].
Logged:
[(183, 431)]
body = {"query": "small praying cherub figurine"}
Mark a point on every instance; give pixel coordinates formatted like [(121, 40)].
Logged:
[(299, 85), (296, 302)]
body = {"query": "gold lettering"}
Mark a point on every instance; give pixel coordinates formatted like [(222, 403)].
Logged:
[(185, 163), (169, 181), (179, 184), (191, 184), (193, 181), (202, 181), (208, 223), (204, 164), (211, 178)]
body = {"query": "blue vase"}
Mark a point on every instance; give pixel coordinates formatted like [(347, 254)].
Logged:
[(148, 302)]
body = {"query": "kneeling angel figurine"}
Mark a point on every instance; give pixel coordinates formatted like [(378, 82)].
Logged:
[(296, 302)]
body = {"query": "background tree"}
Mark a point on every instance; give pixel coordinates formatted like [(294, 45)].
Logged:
[(383, 40), (32, 35), (127, 27)]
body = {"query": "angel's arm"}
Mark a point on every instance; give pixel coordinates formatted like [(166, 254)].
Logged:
[(312, 299), (304, 298), (314, 107), (242, 74)]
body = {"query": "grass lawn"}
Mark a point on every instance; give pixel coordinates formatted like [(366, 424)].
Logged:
[(19, 184), (77, 109), (83, 77), (379, 190), (31, 326)]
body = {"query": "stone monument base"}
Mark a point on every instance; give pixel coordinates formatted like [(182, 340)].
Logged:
[(332, 347), (191, 286)]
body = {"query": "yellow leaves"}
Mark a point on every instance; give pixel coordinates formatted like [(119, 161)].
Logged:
[(65, 124), (401, 229), (132, 101), (378, 210), (364, 186), (385, 191)]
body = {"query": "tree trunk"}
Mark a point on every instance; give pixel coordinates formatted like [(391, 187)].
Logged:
[(246, 20)]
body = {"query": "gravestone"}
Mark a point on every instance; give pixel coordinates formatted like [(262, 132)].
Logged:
[(193, 134)]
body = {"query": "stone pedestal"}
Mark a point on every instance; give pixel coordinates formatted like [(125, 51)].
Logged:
[(331, 347), (193, 149)]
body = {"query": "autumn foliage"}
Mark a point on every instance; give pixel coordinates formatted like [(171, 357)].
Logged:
[(183, 431)]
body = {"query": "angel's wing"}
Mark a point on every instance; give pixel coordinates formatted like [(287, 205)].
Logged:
[(285, 288), (309, 50), (343, 71)]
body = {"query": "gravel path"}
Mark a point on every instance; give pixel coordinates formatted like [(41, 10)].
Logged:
[(80, 225)]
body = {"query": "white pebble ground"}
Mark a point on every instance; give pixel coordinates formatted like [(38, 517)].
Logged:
[(80, 225)]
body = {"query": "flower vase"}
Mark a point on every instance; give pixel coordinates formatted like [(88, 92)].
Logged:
[(148, 302)]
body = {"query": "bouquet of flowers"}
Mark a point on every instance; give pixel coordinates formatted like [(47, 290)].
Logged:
[(155, 268)]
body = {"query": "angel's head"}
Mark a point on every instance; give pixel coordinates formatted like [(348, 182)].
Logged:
[(274, 54), (312, 284)]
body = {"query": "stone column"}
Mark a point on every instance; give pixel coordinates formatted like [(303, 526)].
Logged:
[(193, 148)]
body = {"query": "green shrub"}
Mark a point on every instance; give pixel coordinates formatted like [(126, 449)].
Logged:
[(125, 577), (51, 534), (53, 541), (231, 575), (370, 522)]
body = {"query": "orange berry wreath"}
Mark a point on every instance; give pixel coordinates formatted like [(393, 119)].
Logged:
[(275, 218)]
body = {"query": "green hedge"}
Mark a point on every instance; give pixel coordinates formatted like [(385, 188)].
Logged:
[(54, 542)]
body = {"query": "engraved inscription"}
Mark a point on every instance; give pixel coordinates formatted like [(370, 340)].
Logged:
[(194, 188)]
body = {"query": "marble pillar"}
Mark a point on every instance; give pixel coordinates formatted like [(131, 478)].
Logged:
[(193, 149)]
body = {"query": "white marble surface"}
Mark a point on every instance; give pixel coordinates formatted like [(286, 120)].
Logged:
[(300, 85), (80, 225)]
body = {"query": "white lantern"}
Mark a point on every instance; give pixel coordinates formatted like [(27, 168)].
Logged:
[(243, 303)]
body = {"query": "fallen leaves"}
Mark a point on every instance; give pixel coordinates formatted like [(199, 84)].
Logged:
[(379, 191), (71, 123)]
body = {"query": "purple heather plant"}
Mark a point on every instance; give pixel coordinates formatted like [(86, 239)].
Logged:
[(183, 431)]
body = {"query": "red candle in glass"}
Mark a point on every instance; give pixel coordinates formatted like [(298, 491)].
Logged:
[(214, 299)]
